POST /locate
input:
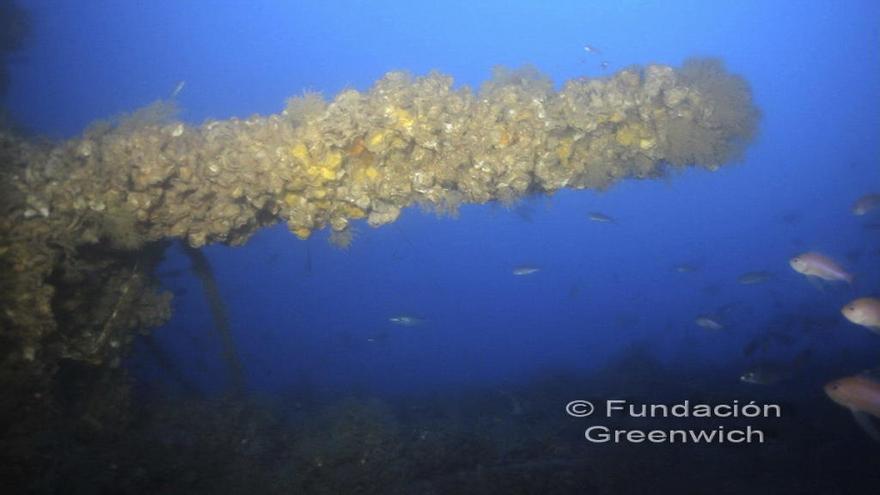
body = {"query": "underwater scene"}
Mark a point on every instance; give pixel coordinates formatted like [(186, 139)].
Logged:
[(385, 247)]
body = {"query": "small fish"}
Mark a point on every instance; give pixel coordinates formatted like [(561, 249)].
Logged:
[(521, 271), (752, 278), (177, 89), (771, 373), (604, 64), (708, 322), (599, 217), (821, 267), (591, 50), (866, 204), (406, 320), (685, 268), (766, 374), (864, 311), (861, 395), (377, 338)]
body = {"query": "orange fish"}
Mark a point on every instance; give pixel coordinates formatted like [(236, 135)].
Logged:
[(865, 204), (820, 267), (864, 311), (861, 395)]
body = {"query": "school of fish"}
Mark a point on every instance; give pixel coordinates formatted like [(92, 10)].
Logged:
[(859, 393)]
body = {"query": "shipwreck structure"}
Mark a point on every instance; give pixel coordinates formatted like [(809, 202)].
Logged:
[(84, 221)]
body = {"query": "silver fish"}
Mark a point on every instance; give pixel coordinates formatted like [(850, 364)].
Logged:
[(599, 217), (709, 322), (521, 271), (177, 89), (406, 320)]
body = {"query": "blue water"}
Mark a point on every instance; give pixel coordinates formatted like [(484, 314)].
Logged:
[(309, 318), (813, 73)]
